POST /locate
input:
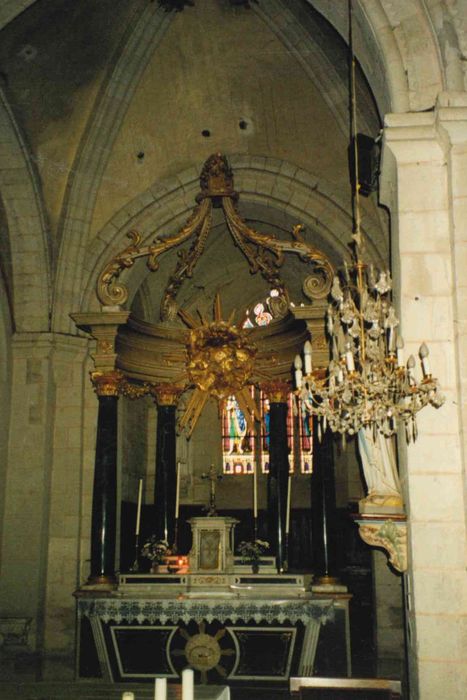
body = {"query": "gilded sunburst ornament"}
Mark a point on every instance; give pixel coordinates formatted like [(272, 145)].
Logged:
[(220, 362)]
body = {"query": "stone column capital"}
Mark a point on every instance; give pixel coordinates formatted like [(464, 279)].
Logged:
[(165, 393), (107, 383), (277, 391)]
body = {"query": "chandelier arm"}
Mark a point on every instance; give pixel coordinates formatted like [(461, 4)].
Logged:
[(185, 267)]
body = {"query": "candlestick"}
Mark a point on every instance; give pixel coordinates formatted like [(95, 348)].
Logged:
[(177, 492), (138, 509), (188, 684), (287, 513), (160, 689), (255, 493)]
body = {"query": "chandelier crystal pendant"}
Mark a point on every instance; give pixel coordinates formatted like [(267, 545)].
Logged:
[(367, 383)]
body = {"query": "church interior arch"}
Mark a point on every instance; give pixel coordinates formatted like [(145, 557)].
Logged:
[(107, 115)]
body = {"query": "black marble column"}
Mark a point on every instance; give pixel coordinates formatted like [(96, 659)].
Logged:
[(278, 471), (166, 469), (323, 507), (104, 497)]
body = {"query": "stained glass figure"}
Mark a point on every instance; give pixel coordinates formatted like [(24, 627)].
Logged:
[(238, 442)]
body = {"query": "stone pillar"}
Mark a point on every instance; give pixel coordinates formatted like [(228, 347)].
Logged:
[(424, 185), (166, 469), (104, 497), (277, 393), (323, 508)]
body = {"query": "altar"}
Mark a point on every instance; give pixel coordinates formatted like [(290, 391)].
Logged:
[(242, 636)]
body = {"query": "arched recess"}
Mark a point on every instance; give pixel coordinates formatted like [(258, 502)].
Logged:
[(304, 197), (139, 44), (27, 224), (110, 110)]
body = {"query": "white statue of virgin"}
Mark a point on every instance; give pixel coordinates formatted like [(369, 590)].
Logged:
[(379, 464)]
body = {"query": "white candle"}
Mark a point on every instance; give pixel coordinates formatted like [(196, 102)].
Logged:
[(287, 513), (128, 696), (177, 491), (160, 689), (307, 354), (349, 361), (424, 352), (400, 351), (298, 371), (255, 494), (188, 680), (138, 509)]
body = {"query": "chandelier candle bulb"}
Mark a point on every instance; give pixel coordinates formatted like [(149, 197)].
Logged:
[(298, 371), (138, 508), (424, 352), (188, 684), (160, 689), (410, 369), (307, 354), (349, 361), (400, 351)]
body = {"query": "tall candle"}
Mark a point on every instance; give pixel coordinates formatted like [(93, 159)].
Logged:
[(177, 491), (188, 684), (307, 354), (255, 493), (287, 513), (160, 689), (138, 509)]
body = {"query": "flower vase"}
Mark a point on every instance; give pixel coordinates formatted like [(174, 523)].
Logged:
[(255, 567), (155, 568)]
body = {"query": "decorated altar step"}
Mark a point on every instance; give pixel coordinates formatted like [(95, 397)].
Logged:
[(224, 585)]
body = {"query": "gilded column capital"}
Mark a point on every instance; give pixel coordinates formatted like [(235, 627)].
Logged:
[(277, 391), (165, 393), (107, 383)]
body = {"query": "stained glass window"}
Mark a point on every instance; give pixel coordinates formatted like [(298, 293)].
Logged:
[(242, 449)]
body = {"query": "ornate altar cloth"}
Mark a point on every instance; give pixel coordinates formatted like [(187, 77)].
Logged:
[(235, 639)]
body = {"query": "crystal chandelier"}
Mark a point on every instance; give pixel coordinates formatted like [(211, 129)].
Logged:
[(367, 384)]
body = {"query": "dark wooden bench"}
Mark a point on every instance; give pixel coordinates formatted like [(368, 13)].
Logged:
[(314, 688)]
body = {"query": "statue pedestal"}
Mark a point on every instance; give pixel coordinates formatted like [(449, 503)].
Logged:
[(212, 548)]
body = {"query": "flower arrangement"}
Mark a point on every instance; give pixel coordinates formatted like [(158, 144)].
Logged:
[(251, 551), (156, 550)]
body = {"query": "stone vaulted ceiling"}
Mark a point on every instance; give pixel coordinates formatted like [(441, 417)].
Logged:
[(109, 110)]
